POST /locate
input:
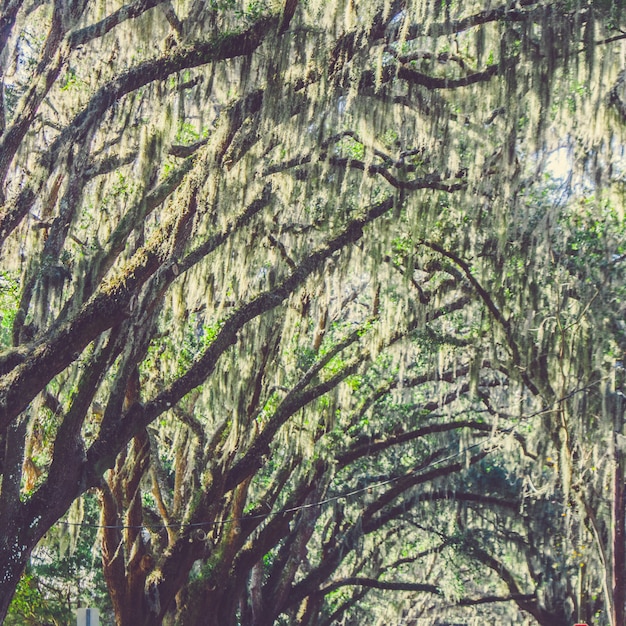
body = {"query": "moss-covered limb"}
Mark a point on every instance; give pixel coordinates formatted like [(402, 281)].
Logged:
[(226, 46), (294, 94), (441, 181), (13, 212), (434, 180), (8, 13), (52, 353), (124, 393), (374, 447), (493, 309), (510, 506), (53, 58), (252, 460), (133, 219), (424, 297), (200, 251), (297, 398), (374, 583), (412, 76), (75, 134), (230, 539), (185, 151), (372, 518), (213, 524), (531, 605), (346, 45), (517, 598), (108, 164), (497, 315), (126, 12), (69, 442), (194, 425), (387, 387), (110, 306), (49, 273), (325, 358), (527, 9)]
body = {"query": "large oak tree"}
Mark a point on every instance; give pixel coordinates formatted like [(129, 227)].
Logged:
[(318, 299)]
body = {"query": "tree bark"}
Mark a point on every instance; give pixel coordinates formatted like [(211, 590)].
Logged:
[(618, 512)]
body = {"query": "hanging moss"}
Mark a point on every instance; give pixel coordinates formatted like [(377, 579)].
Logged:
[(319, 229)]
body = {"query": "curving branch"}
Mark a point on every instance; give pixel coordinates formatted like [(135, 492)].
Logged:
[(84, 123), (412, 76), (362, 581), (99, 29), (503, 322)]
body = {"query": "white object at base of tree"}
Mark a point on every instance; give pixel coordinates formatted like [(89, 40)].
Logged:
[(87, 617)]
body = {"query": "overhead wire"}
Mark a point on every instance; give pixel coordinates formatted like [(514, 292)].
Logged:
[(330, 499), (273, 514)]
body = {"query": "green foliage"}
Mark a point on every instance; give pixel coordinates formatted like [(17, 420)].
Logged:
[(595, 234), (9, 301), (246, 12), (187, 133), (30, 607), (71, 80), (178, 350), (350, 148), (384, 184), (55, 585)]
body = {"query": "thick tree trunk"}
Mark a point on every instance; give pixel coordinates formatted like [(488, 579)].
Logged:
[(23, 525), (618, 512), (15, 541), (619, 560), (14, 556)]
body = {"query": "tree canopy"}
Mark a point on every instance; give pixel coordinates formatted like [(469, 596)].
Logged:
[(313, 312)]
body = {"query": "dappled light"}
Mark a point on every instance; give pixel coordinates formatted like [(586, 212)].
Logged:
[(312, 312)]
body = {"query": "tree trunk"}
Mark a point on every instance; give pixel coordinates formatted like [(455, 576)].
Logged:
[(618, 512), (23, 525), (15, 542), (13, 561)]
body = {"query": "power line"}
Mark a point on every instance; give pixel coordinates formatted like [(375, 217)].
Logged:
[(331, 499), (319, 503)]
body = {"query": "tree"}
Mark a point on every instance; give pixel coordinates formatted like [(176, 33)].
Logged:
[(279, 279), (60, 576)]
